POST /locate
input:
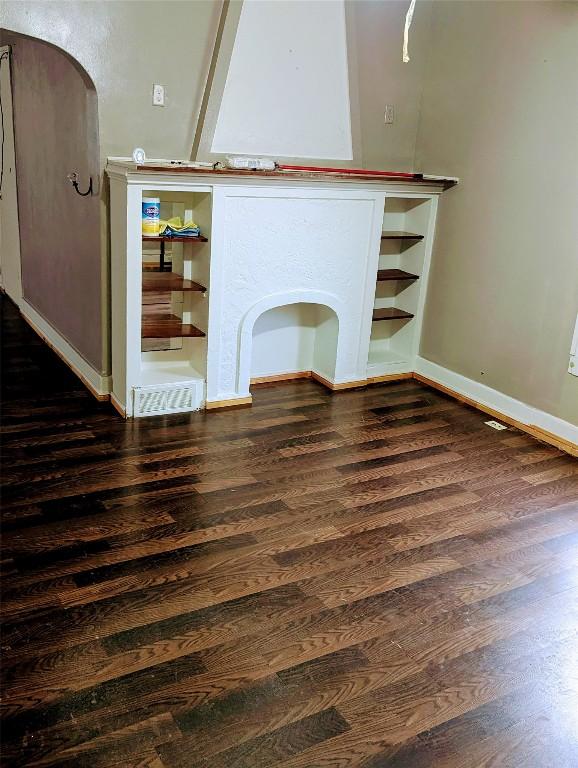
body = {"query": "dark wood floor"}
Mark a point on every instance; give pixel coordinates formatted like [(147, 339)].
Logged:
[(373, 578)]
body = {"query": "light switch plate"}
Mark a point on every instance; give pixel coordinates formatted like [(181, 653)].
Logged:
[(158, 95)]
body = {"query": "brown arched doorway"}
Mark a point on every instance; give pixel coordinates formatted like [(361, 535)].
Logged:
[(55, 117)]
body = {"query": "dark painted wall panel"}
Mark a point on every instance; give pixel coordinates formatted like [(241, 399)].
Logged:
[(56, 132)]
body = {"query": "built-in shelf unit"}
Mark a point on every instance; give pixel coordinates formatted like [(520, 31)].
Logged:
[(400, 284), (174, 319), (160, 288)]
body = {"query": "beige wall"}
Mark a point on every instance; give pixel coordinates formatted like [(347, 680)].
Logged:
[(126, 47), (500, 111), (377, 75), (375, 42)]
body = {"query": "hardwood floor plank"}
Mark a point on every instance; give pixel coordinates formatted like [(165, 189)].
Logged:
[(289, 704), (134, 745), (371, 578), (271, 748)]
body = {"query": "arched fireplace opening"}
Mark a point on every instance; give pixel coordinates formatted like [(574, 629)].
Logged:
[(295, 338)]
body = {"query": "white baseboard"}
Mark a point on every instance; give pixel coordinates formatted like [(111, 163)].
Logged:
[(539, 423), (99, 385), (526, 416)]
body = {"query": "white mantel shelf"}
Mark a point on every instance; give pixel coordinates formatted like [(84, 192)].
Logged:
[(274, 239)]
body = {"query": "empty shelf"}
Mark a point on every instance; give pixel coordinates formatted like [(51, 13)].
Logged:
[(167, 327), (391, 313), (380, 356), (393, 235), (168, 373), (395, 274), (175, 239), (168, 281)]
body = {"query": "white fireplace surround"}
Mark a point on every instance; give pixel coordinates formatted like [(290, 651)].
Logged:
[(272, 242), (286, 246)]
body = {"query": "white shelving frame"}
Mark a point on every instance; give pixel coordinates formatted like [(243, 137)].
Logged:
[(133, 371), (389, 360), (130, 371)]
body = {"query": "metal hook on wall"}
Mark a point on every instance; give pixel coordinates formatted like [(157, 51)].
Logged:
[(73, 179)]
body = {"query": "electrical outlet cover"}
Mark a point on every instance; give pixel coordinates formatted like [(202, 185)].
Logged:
[(158, 95), (495, 425)]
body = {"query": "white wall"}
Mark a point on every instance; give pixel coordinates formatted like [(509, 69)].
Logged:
[(283, 340), (287, 88), (325, 346), (295, 338)]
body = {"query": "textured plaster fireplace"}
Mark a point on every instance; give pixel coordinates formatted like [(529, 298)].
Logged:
[(270, 243), (285, 246)]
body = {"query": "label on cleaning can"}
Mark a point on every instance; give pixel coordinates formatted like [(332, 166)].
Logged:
[(151, 214)]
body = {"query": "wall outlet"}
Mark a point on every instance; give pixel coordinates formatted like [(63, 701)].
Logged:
[(158, 95), (389, 115), (495, 425)]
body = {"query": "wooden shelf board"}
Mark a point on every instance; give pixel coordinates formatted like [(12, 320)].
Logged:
[(153, 266), (391, 313), (167, 327), (395, 274), (175, 239), (393, 235), (168, 281)]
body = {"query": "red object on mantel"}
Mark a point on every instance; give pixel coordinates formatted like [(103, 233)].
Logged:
[(362, 171)]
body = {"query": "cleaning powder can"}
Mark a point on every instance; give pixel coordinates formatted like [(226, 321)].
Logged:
[(151, 215)]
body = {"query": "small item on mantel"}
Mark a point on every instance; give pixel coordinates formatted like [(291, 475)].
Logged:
[(175, 227), (250, 163), (191, 164), (138, 155)]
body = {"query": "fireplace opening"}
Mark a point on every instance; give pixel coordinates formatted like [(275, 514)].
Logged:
[(295, 338)]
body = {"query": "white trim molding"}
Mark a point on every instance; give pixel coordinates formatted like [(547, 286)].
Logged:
[(538, 423), (98, 384)]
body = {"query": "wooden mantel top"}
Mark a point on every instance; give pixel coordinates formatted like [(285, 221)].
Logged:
[(154, 167)]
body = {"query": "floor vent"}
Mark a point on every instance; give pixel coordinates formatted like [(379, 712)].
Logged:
[(169, 398)]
